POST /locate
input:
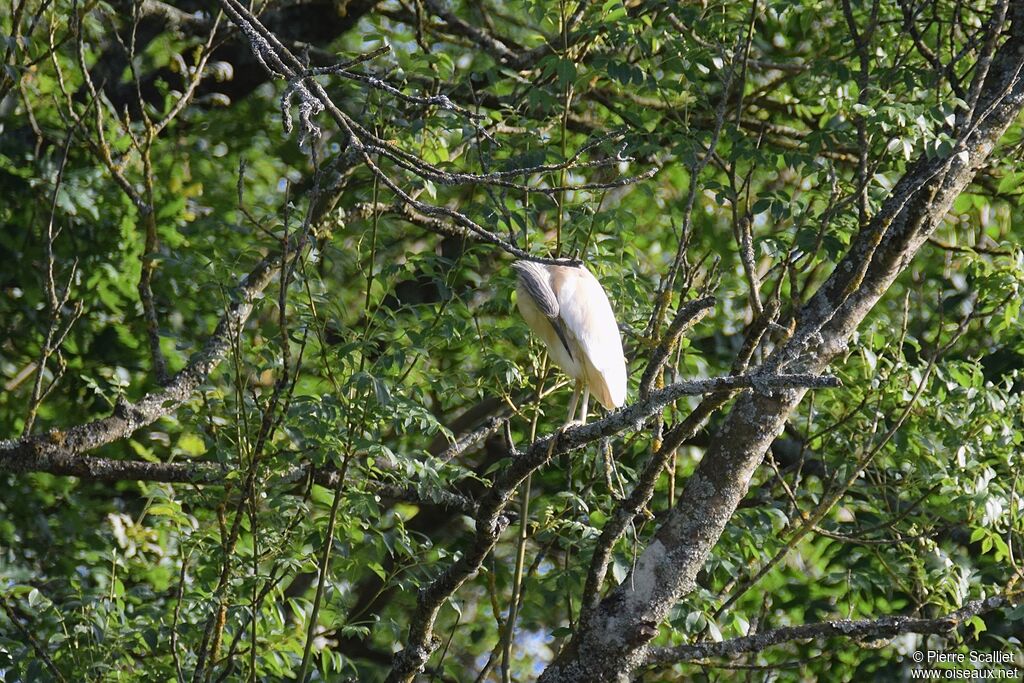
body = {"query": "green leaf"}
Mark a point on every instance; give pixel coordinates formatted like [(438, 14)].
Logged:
[(566, 71)]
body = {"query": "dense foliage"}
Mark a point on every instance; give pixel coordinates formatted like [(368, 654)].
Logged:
[(714, 148)]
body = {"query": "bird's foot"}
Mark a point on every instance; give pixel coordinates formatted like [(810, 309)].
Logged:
[(560, 432)]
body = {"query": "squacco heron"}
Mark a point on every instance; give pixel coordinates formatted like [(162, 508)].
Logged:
[(568, 309)]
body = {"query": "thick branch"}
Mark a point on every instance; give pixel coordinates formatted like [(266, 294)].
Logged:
[(214, 474), (884, 627)]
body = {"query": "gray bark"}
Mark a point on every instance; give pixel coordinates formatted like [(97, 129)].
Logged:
[(863, 629)]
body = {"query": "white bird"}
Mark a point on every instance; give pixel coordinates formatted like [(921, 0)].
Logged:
[(568, 309)]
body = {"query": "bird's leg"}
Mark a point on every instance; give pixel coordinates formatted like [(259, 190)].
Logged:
[(586, 403), (573, 403)]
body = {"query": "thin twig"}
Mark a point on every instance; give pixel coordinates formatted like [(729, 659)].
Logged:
[(36, 646)]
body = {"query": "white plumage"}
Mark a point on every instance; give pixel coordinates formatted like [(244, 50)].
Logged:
[(569, 310)]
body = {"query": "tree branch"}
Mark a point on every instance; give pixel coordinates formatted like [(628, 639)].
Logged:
[(688, 315), (215, 474), (58, 450), (491, 522), (313, 99), (883, 627)]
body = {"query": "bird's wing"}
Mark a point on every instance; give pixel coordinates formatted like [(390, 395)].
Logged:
[(587, 314), (535, 282), (534, 279)]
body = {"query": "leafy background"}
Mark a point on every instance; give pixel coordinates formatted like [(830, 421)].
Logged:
[(395, 340)]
